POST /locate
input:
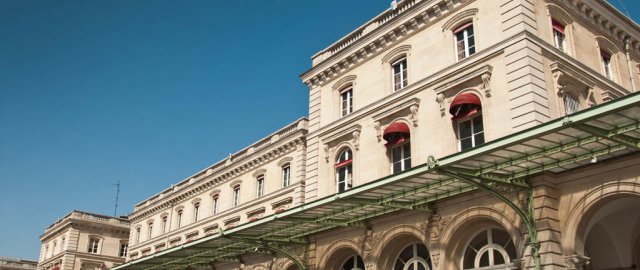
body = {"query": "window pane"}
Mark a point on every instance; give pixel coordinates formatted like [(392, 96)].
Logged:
[(469, 258), (406, 254), (479, 139), (477, 124), (422, 251), (397, 167), (484, 259), (479, 241), (497, 258), (348, 265), (466, 144), (421, 266), (396, 154), (465, 129)]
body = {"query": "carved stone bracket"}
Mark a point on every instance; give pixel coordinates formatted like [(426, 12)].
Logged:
[(576, 262), (559, 85), (436, 226), (443, 107), (486, 83)]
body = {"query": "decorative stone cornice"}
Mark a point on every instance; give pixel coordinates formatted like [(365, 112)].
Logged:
[(592, 12), (373, 42), (228, 175)]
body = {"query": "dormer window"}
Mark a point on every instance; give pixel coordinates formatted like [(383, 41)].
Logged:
[(465, 41)]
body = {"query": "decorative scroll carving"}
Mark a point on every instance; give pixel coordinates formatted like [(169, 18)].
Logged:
[(590, 100), (327, 152), (443, 106), (414, 115), (486, 86), (576, 262), (557, 82), (435, 258), (356, 139), (378, 128)]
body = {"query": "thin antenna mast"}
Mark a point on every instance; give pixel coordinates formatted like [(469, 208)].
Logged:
[(115, 210)]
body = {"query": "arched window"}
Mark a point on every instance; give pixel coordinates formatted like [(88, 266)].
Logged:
[(466, 110), (489, 249), (286, 175), (413, 257), (344, 170), (465, 40), (397, 136), (354, 262)]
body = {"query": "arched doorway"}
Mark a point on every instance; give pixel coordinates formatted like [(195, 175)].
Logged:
[(612, 233)]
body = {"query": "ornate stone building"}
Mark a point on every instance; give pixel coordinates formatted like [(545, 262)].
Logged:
[(84, 241), (442, 134), (17, 264)]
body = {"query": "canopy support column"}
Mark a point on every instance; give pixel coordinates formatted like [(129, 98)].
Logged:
[(526, 213)]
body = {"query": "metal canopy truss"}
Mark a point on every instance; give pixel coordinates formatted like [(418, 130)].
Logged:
[(599, 133)]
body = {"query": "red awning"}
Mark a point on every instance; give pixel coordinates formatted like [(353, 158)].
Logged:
[(465, 105), (557, 26), (396, 133), (344, 163), (462, 27), (56, 268)]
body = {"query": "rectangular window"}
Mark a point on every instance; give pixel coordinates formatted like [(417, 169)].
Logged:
[(214, 204), (400, 74), (346, 100), (150, 231), (470, 133), (465, 42), (606, 64), (93, 245), (571, 104), (236, 195), (558, 35), (401, 157), (138, 235), (179, 219), (260, 186), (286, 175), (196, 211), (164, 224), (124, 247)]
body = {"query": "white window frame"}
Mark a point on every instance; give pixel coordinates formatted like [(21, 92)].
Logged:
[(403, 156), (559, 38), (164, 223), (124, 249), (236, 195), (473, 130), (403, 74), (415, 259), (489, 247), (286, 175), (346, 101), (348, 170), (353, 258), (465, 42), (150, 230), (94, 245), (196, 211), (214, 204), (179, 218), (259, 186)]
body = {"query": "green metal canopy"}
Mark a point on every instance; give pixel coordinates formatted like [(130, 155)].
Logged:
[(599, 133)]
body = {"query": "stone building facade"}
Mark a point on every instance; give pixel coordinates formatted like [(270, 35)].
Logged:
[(17, 264), (84, 241), (442, 134)]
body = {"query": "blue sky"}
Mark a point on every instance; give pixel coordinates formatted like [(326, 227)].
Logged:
[(146, 93)]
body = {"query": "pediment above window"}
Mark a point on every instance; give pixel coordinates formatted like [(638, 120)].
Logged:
[(407, 109), (333, 138), (451, 85), (569, 80)]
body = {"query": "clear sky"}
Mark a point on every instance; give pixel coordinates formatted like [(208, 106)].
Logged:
[(146, 93)]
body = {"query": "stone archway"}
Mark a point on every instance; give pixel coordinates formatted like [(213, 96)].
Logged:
[(611, 231)]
